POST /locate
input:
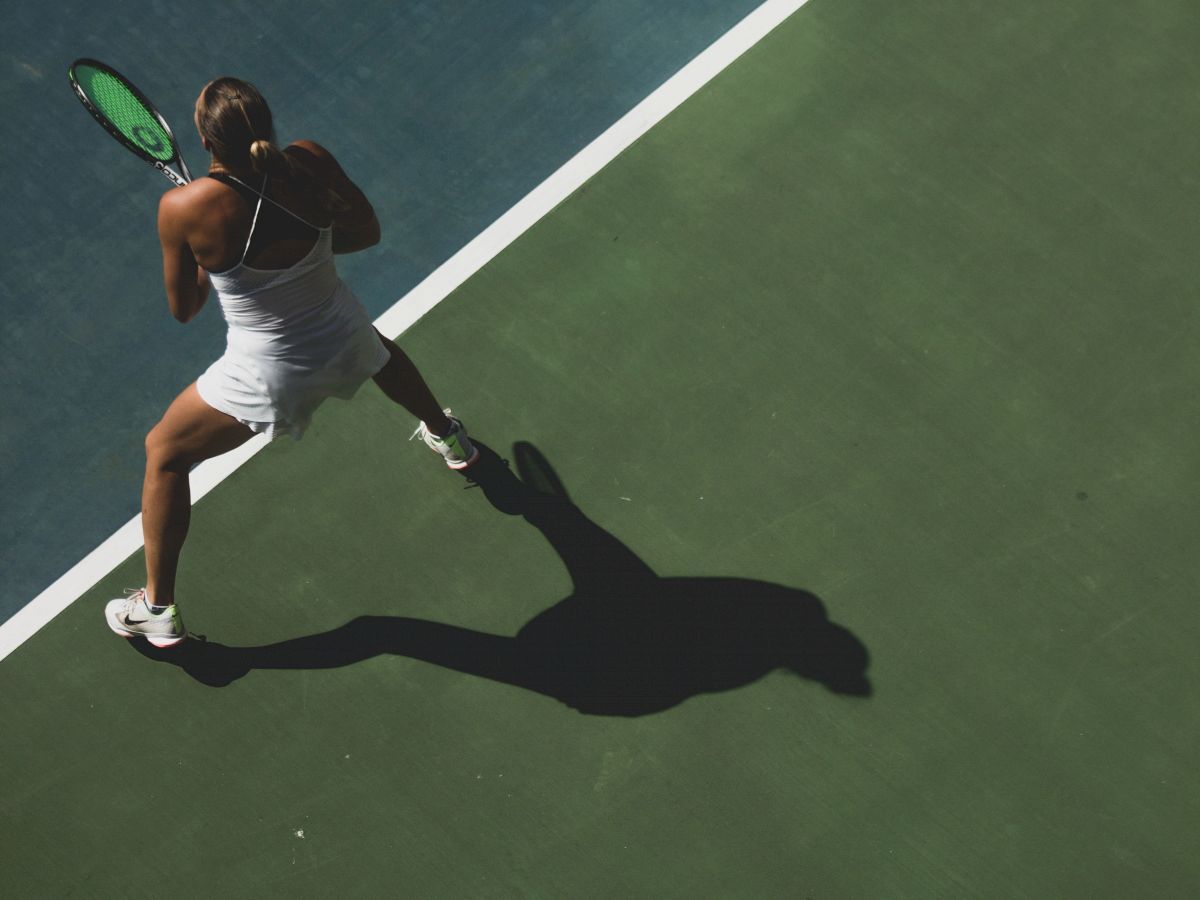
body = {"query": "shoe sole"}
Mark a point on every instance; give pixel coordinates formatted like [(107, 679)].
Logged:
[(159, 642), (459, 466)]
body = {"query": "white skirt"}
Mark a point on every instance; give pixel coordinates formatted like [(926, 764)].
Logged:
[(276, 395)]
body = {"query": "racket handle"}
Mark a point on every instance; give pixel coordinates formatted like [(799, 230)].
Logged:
[(174, 178)]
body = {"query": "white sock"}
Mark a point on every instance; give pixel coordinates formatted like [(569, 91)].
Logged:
[(154, 610)]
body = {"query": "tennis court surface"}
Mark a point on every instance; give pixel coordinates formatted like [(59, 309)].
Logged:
[(868, 374)]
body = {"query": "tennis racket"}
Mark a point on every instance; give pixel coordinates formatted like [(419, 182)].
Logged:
[(128, 115)]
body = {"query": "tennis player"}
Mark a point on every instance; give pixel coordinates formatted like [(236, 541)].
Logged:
[(262, 229)]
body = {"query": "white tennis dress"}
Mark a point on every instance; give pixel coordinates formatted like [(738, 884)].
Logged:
[(296, 336)]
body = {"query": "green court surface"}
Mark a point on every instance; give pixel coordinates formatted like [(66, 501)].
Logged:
[(884, 343)]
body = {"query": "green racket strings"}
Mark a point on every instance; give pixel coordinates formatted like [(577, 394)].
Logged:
[(125, 111)]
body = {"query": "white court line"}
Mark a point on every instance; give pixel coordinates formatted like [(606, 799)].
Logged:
[(430, 292)]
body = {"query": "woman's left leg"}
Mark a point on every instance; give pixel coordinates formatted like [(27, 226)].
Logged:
[(190, 431)]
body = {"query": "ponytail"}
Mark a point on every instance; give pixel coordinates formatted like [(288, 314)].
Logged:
[(269, 160)]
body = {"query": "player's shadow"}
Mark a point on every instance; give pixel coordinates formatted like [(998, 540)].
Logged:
[(625, 643)]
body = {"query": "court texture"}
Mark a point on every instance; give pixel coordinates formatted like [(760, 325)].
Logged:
[(835, 365)]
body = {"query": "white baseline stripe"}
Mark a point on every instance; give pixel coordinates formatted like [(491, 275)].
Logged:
[(430, 292)]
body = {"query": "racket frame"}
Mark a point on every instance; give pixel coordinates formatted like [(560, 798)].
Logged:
[(164, 167)]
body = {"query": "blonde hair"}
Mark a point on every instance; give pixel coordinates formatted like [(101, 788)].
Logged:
[(235, 120)]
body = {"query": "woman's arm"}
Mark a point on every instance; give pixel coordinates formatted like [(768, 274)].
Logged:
[(356, 227), (186, 283)]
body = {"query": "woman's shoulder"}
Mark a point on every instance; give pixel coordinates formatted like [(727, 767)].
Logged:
[(310, 148), (316, 159), (197, 196), (349, 203)]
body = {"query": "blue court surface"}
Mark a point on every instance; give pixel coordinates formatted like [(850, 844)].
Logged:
[(446, 113)]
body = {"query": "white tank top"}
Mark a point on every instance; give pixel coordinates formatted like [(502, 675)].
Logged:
[(276, 312), (296, 336)]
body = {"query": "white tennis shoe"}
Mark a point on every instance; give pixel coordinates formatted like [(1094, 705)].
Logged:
[(131, 617), (455, 448)]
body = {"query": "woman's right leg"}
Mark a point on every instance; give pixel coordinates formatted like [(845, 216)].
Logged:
[(403, 384)]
